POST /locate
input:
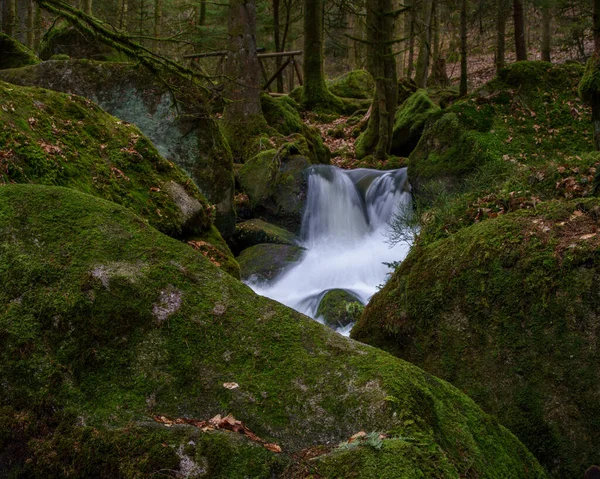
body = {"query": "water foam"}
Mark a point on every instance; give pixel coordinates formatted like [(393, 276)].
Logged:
[(344, 231)]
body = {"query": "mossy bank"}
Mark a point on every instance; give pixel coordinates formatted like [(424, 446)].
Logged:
[(105, 323)]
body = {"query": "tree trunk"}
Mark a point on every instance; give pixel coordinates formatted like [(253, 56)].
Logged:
[(411, 29), (595, 96), (277, 38), (546, 19), (519, 23), (463, 48), (31, 23), (123, 14), (158, 6), (315, 95), (202, 19), (242, 116), (10, 24), (424, 45), (87, 7), (501, 14), (382, 65)]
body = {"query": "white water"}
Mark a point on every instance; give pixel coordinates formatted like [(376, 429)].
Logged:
[(344, 230)]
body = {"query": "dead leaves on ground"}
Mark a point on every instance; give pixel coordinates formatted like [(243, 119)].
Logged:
[(227, 423)]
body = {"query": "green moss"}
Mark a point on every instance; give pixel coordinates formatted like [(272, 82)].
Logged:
[(255, 231), (354, 84), (14, 54), (107, 319), (589, 87), (507, 310), (339, 308), (266, 261), (409, 122)]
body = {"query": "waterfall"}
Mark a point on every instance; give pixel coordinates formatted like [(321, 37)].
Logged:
[(344, 231)]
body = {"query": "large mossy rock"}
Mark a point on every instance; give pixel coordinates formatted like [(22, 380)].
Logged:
[(263, 262), (355, 84), (108, 326), (282, 114), (14, 54), (275, 183), (182, 129), (339, 308), (409, 122), (255, 231), (63, 39), (507, 310)]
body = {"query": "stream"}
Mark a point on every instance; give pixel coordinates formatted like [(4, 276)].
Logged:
[(345, 232)]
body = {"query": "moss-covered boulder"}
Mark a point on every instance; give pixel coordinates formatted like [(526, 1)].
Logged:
[(253, 232), (354, 84), (180, 127), (264, 262), (406, 88), (14, 54), (507, 310), (409, 122), (110, 330), (282, 114), (339, 308), (63, 39), (275, 183)]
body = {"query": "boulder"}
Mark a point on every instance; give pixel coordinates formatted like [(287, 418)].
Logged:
[(117, 342), (180, 127), (355, 84), (339, 308), (14, 54), (255, 231), (507, 310), (64, 39), (263, 262), (275, 183), (409, 122)]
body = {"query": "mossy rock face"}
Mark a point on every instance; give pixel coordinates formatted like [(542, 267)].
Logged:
[(264, 262), (255, 231), (282, 115), (507, 310), (409, 122), (339, 308), (65, 140), (185, 135), (355, 84), (67, 40), (275, 183), (14, 54), (108, 323), (589, 87)]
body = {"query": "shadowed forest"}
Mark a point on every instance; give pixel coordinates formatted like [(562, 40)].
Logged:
[(299, 239)]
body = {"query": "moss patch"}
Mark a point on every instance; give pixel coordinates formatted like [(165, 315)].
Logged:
[(14, 54), (264, 262), (255, 231), (339, 308), (96, 347), (354, 84)]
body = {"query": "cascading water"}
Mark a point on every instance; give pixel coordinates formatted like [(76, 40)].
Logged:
[(344, 231)]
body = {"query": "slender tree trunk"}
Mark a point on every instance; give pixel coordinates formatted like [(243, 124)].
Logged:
[(277, 38), (501, 13), (519, 22), (411, 29), (594, 97), (37, 27), (158, 7), (463, 48), (31, 23), (424, 45), (87, 7), (382, 65), (123, 14), (242, 116), (316, 94), (202, 19), (10, 27), (546, 20)]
